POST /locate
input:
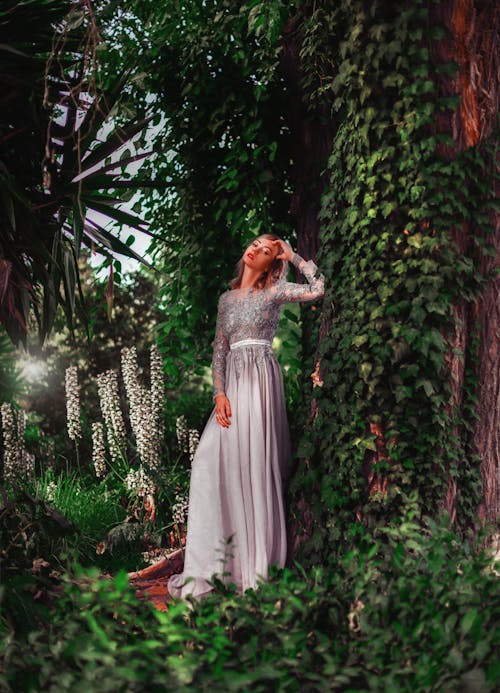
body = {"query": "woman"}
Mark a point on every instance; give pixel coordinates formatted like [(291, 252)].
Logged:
[(236, 516)]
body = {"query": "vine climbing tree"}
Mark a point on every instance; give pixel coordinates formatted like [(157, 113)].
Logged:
[(472, 34), (408, 401)]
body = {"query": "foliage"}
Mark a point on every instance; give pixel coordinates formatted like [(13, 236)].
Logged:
[(386, 421), (214, 77), (10, 377), (134, 317), (92, 508), (52, 114), (29, 513), (288, 348), (32, 533), (412, 609)]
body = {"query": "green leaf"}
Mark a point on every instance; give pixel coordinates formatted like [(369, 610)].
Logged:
[(119, 215), (121, 580), (69, 278), (106, 239), (427, 385), (113, 143), (468, 621), (359, 340)]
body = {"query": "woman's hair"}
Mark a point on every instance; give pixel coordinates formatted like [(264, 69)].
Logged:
[(275, 273)]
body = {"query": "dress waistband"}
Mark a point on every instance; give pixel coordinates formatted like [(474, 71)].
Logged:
[(244, 342)]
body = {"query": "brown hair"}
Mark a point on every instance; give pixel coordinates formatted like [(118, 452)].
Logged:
[(270, 276)]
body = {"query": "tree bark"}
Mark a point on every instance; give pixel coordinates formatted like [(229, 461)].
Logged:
[(311, 135), (472, 42)]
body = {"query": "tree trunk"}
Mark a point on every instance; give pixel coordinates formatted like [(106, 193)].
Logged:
[(331, 482), (472, 42), (311, 135)]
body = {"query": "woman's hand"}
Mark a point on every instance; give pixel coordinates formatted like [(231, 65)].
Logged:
[(286, 251), (222, 411)]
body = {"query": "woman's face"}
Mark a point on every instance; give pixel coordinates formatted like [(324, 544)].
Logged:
[(260, 254)]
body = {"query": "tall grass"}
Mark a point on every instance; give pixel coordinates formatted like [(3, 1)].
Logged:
[(92, 507)]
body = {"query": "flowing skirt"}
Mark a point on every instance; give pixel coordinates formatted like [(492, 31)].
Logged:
[(236, 515)]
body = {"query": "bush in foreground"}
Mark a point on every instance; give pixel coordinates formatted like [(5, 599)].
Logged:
[(413, 609)]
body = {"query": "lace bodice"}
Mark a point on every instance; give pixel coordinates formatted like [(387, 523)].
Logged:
[(255, 313)]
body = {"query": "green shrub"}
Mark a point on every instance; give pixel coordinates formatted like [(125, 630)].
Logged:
[(110, 530), (90, 506), (413, 608), (32, 536)]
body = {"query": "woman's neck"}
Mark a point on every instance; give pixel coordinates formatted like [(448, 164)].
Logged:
[(249, 278)]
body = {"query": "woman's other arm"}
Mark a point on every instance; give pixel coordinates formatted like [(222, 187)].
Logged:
[(220, 349), (220, 346)]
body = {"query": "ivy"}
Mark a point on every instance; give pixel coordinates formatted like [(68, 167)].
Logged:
[(395, 274)]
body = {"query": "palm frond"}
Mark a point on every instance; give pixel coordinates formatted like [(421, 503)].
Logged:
[(51, 121)]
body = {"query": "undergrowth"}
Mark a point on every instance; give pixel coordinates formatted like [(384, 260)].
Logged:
[(412, 607)]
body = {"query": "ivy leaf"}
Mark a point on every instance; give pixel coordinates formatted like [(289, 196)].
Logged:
[(427, 385), (360, 340), (468, 621), (388, 207)]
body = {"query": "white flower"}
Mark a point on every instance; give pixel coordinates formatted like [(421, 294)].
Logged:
[(29, 464), (141, 415), (21, 424), (11, 461), (133, 388), (73, 403), (109, 396), (157, 391), (26, 460), (17, 462), (194, 439), (180, 509), (50, 491), (98, 449), (182, 433), (139, 483), (146, 439)]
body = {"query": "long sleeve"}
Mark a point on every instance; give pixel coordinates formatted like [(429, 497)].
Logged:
[(220, 348), (288, 292)]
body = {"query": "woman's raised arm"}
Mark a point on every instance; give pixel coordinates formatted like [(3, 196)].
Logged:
[(288, 292)]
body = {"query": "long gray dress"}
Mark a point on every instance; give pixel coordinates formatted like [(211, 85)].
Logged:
[(236, 516)]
